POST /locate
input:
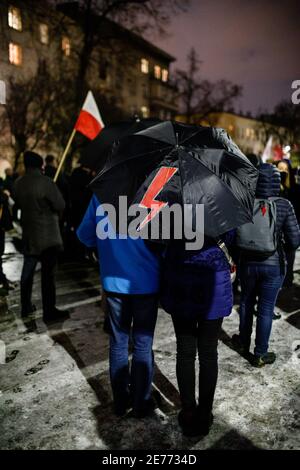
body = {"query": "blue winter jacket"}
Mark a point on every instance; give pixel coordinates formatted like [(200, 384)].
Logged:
[(127, 266), (287, 228)]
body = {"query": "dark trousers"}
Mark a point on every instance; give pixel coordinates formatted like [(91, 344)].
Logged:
[(264, 282), (48, 259), (140, 313), (202, 336), (3, 279)]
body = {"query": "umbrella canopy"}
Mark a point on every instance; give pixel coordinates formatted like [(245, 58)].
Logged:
[(223, 182), (94, 155), (210, 170)]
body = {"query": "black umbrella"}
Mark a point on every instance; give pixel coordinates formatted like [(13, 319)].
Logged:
[(208, 168), (95, 154)]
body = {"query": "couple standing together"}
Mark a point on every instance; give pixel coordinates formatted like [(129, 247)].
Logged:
[(195, 288)]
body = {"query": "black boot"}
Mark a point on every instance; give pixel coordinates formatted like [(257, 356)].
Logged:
[(56, 315)]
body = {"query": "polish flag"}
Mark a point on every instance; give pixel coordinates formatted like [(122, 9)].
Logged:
[(89, 121), (268, 152)]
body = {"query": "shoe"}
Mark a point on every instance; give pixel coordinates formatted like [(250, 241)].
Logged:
[(239, 346), (276, 316), (146, 410), (187, 420), (204, 422), (56, 315), (26, 313), (121, 409), (260, 361), (193, 423)]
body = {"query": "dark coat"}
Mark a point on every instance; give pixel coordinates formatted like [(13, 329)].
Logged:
[(287, 228), (41, 203)]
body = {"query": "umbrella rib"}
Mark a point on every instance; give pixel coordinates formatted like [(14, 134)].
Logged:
[(190, 136), (130, 158)]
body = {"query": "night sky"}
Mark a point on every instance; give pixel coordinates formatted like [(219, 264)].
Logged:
[(254, 43)]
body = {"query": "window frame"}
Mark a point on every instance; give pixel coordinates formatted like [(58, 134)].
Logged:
[(66, 46), (157, 72), (164, 72), (41, 34), (14, 18), (144, 64), (11, 54)]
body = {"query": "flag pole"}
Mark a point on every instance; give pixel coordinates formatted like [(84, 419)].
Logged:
[(64, 155)]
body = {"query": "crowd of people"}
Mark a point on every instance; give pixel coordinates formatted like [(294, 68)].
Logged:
[(194, 287)]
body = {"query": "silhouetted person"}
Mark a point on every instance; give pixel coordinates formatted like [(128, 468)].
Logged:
[(5, 225), (64, 187), (291, 191), (41, 203)]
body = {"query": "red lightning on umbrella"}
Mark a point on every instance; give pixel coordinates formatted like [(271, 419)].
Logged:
[(164, 174)]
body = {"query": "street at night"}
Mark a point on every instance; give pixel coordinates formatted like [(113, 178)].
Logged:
[(55, 389), (149, 232)]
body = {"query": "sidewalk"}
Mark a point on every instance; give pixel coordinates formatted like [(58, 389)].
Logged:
[(55, 391)]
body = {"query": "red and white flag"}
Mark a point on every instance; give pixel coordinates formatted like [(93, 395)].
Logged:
[(89, 121), (268, 151)]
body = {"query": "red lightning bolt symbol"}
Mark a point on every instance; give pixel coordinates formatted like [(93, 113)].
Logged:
[(164, 174)]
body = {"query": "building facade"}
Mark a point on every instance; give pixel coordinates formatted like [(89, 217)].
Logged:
[(124, 67), (251, 135)]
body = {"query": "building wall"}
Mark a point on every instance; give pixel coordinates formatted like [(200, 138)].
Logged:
[(114, 72), (249, 134)]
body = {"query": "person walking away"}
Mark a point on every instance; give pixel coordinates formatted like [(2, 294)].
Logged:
[(291, 191), (130, 279), (41, 203), (197, 292), (262, 267), (5, 225), (64, 187)]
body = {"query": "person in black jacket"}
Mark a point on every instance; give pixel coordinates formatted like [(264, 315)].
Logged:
[(291, 191), (41, 203), (263, 277), (5, 225)]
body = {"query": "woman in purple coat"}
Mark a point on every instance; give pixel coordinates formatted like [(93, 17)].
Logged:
[(197, 292)]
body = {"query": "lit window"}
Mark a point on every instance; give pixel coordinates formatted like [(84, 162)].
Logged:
[(15, 54), (157, 71), (14, 18), (248, 132), (44, 33), (230, 127), (164, 75), (66, 46), (145, 111), (144, 66)]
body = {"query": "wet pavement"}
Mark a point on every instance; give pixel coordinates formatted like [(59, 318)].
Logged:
[(54, 381)]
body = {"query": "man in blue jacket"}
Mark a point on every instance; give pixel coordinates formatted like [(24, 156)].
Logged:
[(130, 278)]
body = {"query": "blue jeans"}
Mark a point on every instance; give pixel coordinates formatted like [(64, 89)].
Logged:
[(140, 312), (259, 283)]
